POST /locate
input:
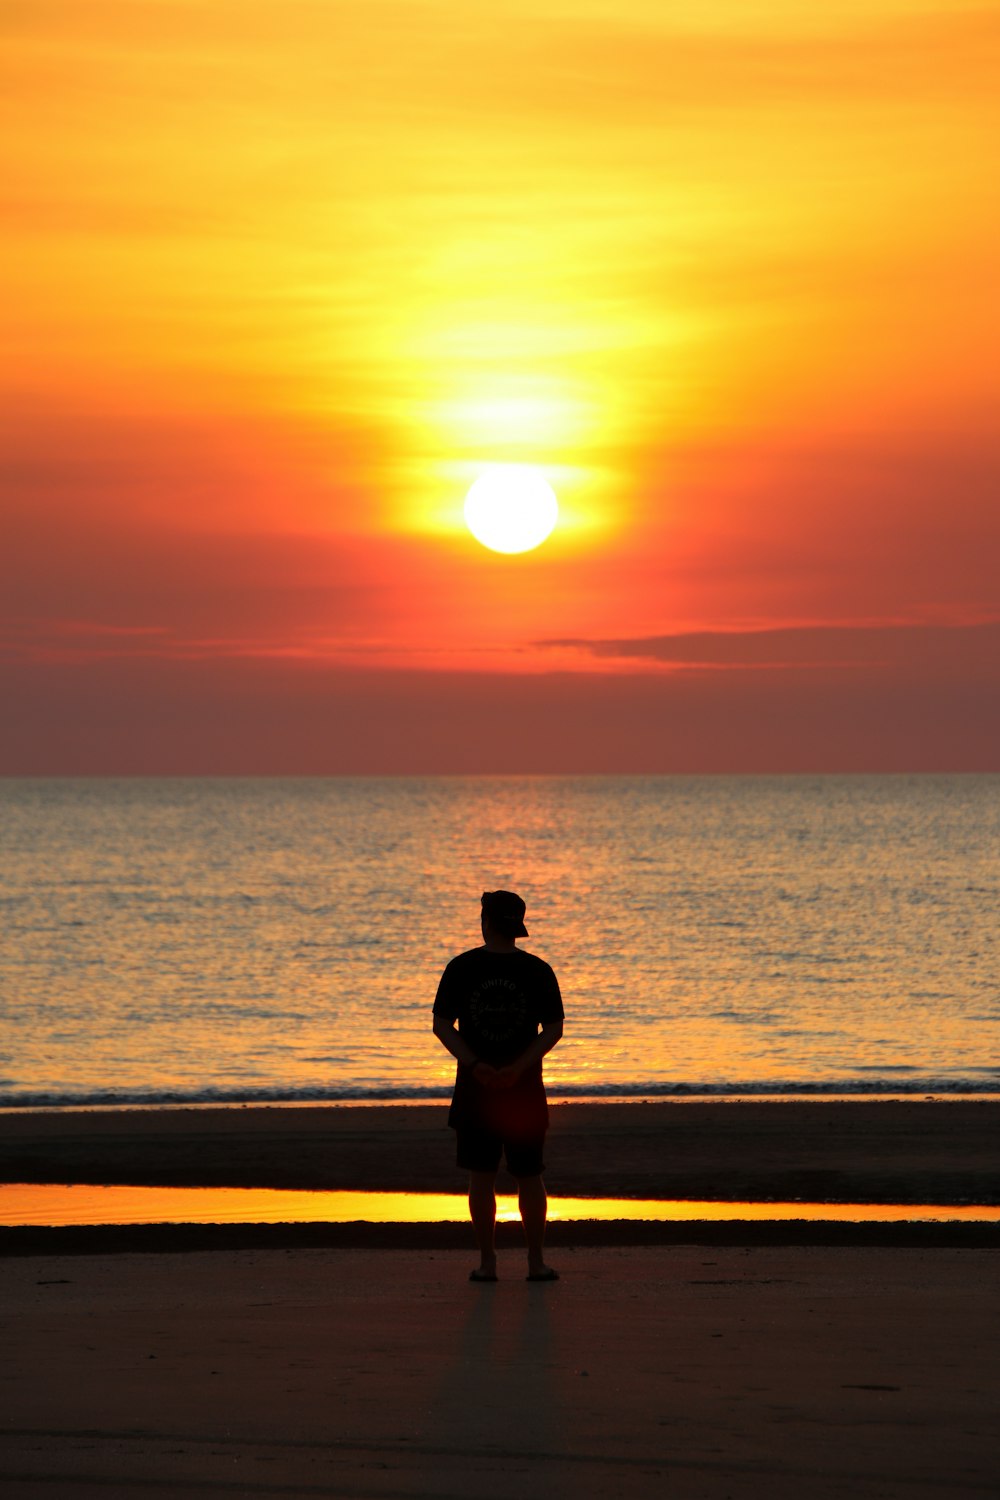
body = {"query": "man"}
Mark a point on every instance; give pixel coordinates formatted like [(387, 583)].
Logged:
[(498, 1011)]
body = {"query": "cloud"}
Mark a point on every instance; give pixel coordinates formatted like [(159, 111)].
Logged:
[(927, 646)]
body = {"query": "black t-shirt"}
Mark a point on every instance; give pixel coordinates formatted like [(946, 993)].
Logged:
[(499, 1000)]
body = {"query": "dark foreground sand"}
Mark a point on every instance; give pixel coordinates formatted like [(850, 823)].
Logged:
[(862, 1152), (807, 1361), (660, 1371)]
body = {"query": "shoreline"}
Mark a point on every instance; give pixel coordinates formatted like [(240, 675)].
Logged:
[(942, 1151), (925, 1093)]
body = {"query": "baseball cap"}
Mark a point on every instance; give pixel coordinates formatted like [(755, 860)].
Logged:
[(505, 911)]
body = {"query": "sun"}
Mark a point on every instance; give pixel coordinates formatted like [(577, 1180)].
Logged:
[(511, 508)]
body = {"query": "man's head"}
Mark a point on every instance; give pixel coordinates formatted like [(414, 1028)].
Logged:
[(504, 911)]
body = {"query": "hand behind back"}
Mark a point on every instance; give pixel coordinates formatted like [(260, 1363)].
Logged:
[(495, 1078)]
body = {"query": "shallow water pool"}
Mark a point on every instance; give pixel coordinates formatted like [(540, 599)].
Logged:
[(46, 1204)]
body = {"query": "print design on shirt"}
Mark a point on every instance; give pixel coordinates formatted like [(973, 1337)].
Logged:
[(498, 1009)]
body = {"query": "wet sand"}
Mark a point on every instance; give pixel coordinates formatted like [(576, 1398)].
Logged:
[(702, 1373), (870, 1151)]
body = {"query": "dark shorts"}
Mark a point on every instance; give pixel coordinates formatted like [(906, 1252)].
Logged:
[(478, 1151)]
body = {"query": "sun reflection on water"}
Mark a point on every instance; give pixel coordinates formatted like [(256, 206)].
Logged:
[(43, 1204)]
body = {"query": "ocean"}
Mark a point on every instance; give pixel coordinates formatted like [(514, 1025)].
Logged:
[(200, 941)]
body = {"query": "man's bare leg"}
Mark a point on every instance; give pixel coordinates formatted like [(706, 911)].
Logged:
[(483, 1209), (532, 1201)]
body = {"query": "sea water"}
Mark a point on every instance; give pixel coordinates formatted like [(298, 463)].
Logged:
[(198, 941)]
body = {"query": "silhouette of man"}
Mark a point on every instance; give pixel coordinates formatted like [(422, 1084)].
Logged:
[(498, 1011)]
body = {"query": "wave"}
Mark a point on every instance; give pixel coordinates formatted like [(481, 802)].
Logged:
[(389, 1094)]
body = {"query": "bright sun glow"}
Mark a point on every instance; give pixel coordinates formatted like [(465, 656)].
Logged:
[(511, 508)]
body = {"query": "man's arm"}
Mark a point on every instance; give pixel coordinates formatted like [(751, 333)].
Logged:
[(546, 1039), (449, 1037)]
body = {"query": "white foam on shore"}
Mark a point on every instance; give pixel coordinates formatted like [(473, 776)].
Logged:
[(739, 1094)]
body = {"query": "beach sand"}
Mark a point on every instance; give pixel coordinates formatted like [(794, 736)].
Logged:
[(732, 1372), (813, 1361)]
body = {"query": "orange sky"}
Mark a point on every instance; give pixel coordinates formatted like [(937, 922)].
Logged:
[(283, 275)]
